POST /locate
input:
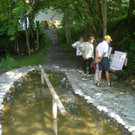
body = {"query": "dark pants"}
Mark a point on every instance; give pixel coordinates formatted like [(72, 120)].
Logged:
[(88, 63), (79, 61)]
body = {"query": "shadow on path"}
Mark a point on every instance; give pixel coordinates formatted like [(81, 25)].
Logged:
[(55, 56)]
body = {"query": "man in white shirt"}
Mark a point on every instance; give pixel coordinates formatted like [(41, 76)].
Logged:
[(102, 59), (78, 46), (88, 55)]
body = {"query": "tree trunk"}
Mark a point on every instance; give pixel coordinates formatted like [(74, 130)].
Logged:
[(66, 33), (38, 33), (99, 13), (27, 37), (69, 33), (31, 33), (104, 14), (93, 27)]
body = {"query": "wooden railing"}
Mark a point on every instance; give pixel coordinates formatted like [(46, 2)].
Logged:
[(56, 103)]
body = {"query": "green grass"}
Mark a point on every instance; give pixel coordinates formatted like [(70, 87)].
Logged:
[(12, 62)]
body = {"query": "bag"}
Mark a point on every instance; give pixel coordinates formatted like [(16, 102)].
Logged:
[(94, 65)]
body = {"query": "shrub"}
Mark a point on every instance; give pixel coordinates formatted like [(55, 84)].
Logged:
[(10, 62), (127, 44)]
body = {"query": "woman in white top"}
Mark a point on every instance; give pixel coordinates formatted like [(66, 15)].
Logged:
[(78, 46), (88, 55)]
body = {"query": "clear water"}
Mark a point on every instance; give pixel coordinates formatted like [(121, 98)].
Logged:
[(28, 111)]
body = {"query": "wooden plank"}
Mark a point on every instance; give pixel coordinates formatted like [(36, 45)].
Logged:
[(54, 108), (116, 71), (55, 127), (42, 79), (54, 94), (126, 61)]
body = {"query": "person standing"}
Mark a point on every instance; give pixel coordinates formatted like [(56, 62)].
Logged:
[(78, 46), (96, 55), (97, 67), (54, 32), (102, 59), (88, 55)]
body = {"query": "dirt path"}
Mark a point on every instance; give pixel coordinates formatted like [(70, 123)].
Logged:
[(55, 56)]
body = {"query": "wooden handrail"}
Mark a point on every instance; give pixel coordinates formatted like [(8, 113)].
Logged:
[(54, 94)]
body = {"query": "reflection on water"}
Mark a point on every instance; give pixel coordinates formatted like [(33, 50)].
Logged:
[(28, 111)]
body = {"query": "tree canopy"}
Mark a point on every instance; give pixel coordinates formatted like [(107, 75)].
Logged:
[(91, 17)]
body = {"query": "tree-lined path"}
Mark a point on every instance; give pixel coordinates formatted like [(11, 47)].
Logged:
[(24, 43), (55, 57)]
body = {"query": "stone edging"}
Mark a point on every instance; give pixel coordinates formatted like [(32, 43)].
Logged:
[(7, 80)]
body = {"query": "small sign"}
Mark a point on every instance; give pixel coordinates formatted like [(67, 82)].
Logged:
[(118, 60)]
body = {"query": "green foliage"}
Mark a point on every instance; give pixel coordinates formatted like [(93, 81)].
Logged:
[(12, 62), (117, 8), (9, 62), (127, 44), (77, 30), (118, 19), (134, 12), (87, 18)]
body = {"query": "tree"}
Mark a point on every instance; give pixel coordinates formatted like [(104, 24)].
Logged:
[(131, 16), (38, 31), (104, 12)]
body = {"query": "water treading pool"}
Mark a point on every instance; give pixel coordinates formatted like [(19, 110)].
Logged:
[(28, 111)]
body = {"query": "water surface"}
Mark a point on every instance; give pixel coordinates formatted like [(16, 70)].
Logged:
[(28, 111)]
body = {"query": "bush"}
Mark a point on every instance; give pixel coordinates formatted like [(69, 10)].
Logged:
[(127, 44), (10, 62)]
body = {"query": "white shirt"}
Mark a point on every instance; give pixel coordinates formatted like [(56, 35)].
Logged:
[(88, 50), (79, 47), (103, 47)]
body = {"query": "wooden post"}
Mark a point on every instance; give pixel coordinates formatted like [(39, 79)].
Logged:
[(42, 78), (55, 127), (54, 94), (54, 108)]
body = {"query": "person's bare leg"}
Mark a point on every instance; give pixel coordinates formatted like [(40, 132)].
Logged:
[(99, 77), (107, 77)]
